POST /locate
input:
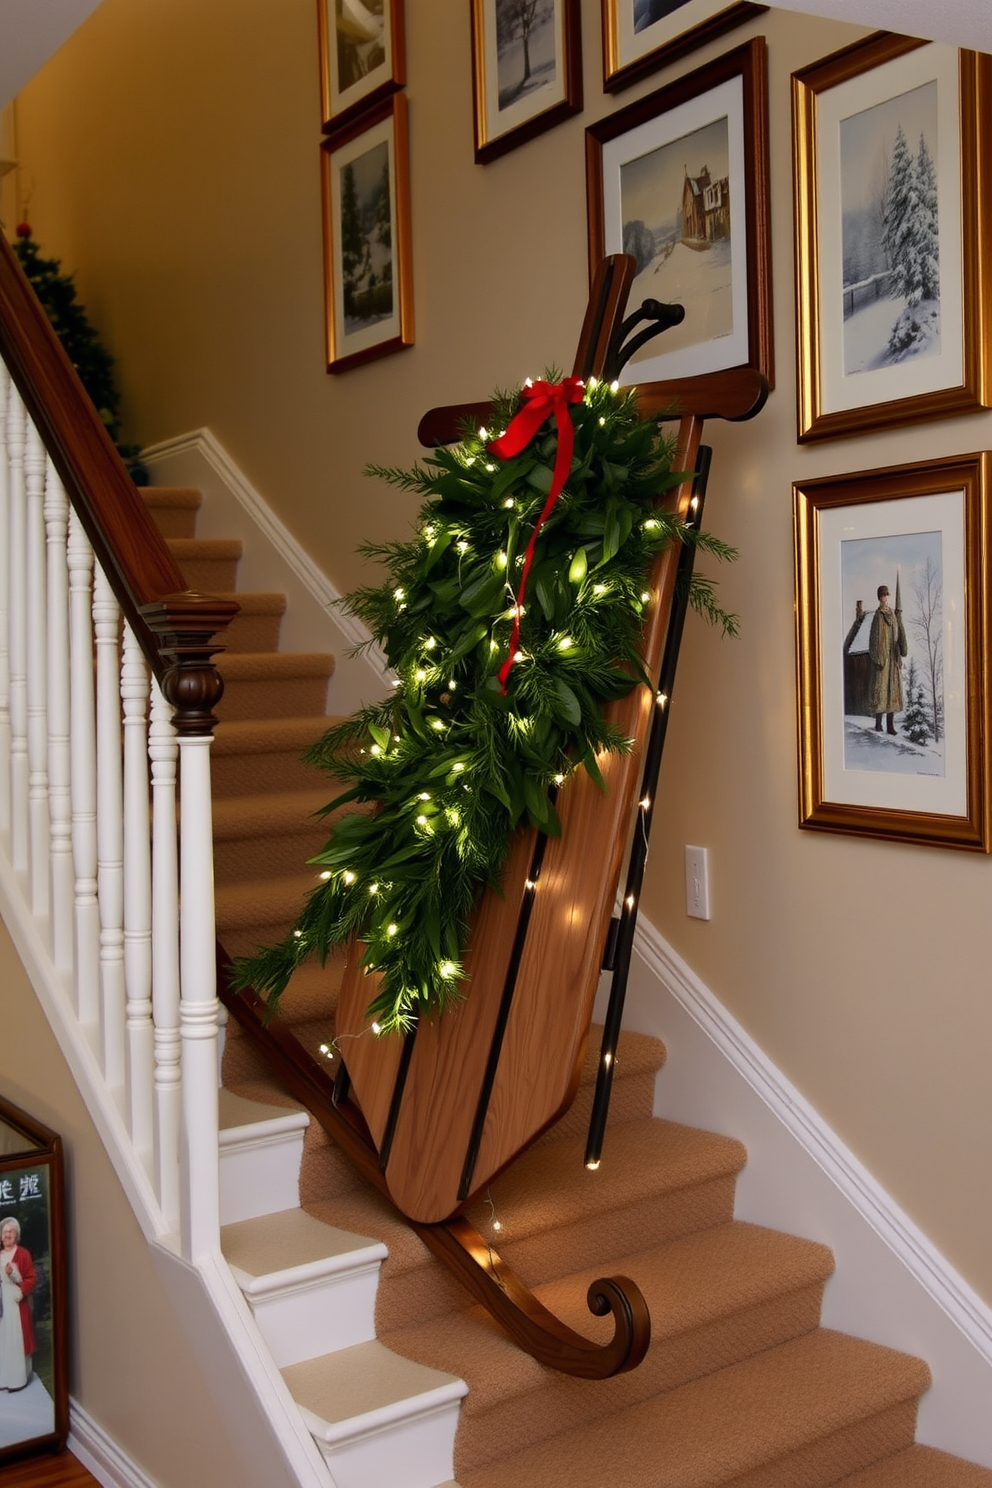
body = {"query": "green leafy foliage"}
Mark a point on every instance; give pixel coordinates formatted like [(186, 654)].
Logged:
[(447, 766), (90, 358)]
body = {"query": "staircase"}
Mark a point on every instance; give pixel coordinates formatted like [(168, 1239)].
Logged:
[(741, 1385)]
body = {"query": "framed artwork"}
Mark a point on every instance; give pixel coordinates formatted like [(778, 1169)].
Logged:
[(368, 279), (892, 579), (641, 36), (362, 56), (679, 180), (34, 1387), (526, 70), (892, 257)]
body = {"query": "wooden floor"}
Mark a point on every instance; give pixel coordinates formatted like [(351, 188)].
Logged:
[(61, 1471)]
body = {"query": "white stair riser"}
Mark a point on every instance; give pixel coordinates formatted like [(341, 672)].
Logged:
[(305, 1320), (417, 1452), (259, 1174)]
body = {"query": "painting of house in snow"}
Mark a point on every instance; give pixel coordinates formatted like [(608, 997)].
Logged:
[(675, 211), (890, 240), (705, 209)]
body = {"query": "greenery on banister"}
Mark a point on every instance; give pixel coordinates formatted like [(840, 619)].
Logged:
[(448, 764)]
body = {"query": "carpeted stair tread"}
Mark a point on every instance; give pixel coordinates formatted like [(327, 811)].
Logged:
[(265, 683), (266, 665), (692, 1280), (638, 1059), (257, 625), (261, 906), (209, 564), (787, 1418), (266, 754), (174, 508), (921, 1467), (273, 811), (657, 1179), (714, 1298)]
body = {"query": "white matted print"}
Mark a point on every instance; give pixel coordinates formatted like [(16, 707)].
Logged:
[(527, 73), (890, 257), (891, 609), (639, 36), (678, 182), (367, 238)]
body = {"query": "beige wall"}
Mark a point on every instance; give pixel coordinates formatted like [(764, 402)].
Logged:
[(130, 1367), (172, 147)]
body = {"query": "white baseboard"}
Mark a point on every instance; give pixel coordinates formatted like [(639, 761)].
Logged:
[(273, 560), (891, 1285), (100, 1454)]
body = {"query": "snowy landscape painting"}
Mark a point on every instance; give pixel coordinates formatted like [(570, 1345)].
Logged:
[(890, 239), (675, 211), (366, 240), (367, 272), (893, 653), (526, 48)]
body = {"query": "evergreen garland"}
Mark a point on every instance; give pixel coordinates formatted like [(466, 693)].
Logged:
[(90, 358), (450, 763)]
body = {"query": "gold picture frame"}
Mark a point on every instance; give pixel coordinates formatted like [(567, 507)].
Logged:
[(362, 56), (705, 134), (637, 43), (368, 270), (892, 586), (894, 299), (526, 71)]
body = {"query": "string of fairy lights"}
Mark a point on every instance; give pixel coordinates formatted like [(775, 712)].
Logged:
[(435, 777)]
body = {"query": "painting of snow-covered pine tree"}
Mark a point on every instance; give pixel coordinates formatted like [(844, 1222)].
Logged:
[(891, 247)]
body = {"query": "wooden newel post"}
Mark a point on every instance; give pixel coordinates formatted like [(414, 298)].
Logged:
[(187, 627)]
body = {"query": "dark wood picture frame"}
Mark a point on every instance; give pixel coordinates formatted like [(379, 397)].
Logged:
[(841, 392), (368, 274), (865, 766), (535, 110), (731, 91), (358, 67), (629, 56), (34, 1415)]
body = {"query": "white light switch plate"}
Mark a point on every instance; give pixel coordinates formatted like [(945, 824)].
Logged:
[(697, 883)]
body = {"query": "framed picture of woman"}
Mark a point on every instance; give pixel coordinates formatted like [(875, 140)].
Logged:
[(34, 1391)]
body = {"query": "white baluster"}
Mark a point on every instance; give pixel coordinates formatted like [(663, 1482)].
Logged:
[(17, 633), (37, 675), (109, 829), (59, 769), (137, 895), (5, 392), (198, 1013), (82, 711), (163, 751)]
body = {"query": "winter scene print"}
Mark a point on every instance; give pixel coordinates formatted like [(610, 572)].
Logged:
[(647, 12), (526, 38), (360, 27), (894, 716), (675, 210), (366, 241), (891, 257)]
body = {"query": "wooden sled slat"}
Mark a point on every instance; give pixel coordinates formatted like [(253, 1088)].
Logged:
[(464, 1111)]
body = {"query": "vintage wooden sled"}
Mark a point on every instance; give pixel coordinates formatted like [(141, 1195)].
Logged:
[(433, 1117)]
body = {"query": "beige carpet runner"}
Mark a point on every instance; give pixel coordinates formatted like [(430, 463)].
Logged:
[(740, 1385)]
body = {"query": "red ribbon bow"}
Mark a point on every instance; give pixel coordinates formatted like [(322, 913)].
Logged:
[(540, 401)]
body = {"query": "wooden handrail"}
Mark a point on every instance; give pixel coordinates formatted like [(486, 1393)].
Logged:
[(128, 545)]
